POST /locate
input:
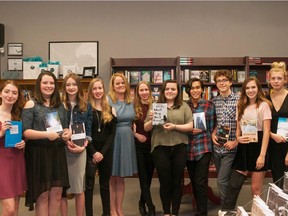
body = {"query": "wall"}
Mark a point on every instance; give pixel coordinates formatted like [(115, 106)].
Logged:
[(149, 29)]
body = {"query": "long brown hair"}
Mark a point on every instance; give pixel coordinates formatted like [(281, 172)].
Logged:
[(55, 97), (137, 99), (178, 100), (80, 94), (106, 108), (243, 101), (127, 97), (18, 105)]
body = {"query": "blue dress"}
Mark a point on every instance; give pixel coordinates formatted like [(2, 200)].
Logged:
[(124, 156)]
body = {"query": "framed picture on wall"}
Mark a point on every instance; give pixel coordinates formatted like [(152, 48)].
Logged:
[(66, 69), (15, 64), (79, 53), (89, 72), (15, 49)]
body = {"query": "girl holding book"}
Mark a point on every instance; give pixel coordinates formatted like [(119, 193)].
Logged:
[(46, 163), (143, 101), (100, 150), (254, 111), (169, 145), (124, 156), (79, 115), (12, 164), (278, 145)]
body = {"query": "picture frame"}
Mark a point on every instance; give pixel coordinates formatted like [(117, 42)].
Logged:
[(66, 69), (14, 49), (79, 53), (89, 72), (15, 64)]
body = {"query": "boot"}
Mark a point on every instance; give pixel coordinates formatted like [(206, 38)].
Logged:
[(142, 209), (235, 184), (151, 211)]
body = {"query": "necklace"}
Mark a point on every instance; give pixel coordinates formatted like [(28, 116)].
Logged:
[(99, 121)]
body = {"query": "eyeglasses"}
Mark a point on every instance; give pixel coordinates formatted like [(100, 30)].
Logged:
[(222, 81)]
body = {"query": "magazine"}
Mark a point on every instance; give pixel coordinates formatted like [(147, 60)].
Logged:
[(223, 134), (52, 122), (199, 121), (282, 127), (78, 134), (160, 113), (249, 128), (14, 134)]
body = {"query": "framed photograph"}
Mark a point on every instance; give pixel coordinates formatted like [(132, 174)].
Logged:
[(15, 64), (15, 49), (66, 69), (79, 53), (89, 72)]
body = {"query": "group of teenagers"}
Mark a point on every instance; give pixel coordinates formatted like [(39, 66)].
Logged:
[(122, 141)]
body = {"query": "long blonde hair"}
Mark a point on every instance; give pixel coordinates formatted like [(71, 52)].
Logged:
[(137, 99), (127, 96), (106, 108), (80, 94)]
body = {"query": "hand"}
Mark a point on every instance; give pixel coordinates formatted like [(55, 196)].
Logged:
[(72, 147), (5, 126), (151, 115), (229, 145), (278, 138), (169, 126), (215, 140), (260, 162), (196, 131), (66, 135), (140, 137), (243, 139), (53, 136), (20, 145), (97, 157)]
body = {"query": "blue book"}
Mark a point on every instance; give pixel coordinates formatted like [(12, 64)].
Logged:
[(14, 134)]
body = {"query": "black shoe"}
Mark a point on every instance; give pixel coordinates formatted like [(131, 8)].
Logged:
[(142, 209), (151, 212)]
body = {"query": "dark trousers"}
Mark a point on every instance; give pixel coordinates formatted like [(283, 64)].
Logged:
[(104, 169), (198, 172), (170, 162), (146, 167)]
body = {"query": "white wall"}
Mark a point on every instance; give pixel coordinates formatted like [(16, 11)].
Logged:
[(149, 29)]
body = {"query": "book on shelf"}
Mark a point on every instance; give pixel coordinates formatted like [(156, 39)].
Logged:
[(186, 61), (146, 76), (167, 75), (132, 92), (78, 133), (157, 76), (211, 76), (282, 127), (135, 77), (185, 96), (249, 129), (223, 134), (267, 76), (14, 134), (52, 122), (186, 75), (160, 113), (194, 74), (241, 76), (252, 73), (204, 75), (155, 90), (200, 121)]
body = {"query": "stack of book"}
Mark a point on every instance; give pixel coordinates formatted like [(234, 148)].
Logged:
[(255, 60), (186, 61)]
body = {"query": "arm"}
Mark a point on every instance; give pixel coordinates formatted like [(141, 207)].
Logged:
[(266, 133), (188, 127), (110, 139), (277, 138), (286, 159)]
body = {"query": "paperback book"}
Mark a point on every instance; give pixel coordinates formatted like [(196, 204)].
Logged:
[(155, 90), (223, 134), (14, 134), (157, 76), (53, 123), (160, 113), (134, 77), (78, 134), (249, 129), (146, 76), (200, 121), (282, 127)]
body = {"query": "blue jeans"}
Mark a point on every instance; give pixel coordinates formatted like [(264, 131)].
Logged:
[(223, 163)]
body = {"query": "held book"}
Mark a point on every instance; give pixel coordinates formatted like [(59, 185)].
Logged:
[(78, 133), (199, 121), (14, 134), (160, 113), (52, 122), (223, 134), (282, 127), (249, 128)]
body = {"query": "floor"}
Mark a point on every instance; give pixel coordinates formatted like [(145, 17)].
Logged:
[(130, 204)]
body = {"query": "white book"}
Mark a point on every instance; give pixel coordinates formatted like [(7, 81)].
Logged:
[(160, 113), (282, 127)]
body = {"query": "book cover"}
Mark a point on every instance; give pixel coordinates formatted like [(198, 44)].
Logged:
[(212, 74), (155, 90), (282, 127), (158, 76), (134, 77), (160, 113), (204, 75), (52, 122), (185, 96), (200, 121), (223, 134), (195, 74), (78, 133), (241, 76), (167, 75), (146, 76), (14, 134), (249, 128), (253, 73)]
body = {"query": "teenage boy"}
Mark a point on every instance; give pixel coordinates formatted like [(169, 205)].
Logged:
[(224, 134)]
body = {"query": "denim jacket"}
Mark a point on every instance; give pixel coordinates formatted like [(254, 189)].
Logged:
[(83, 117)]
